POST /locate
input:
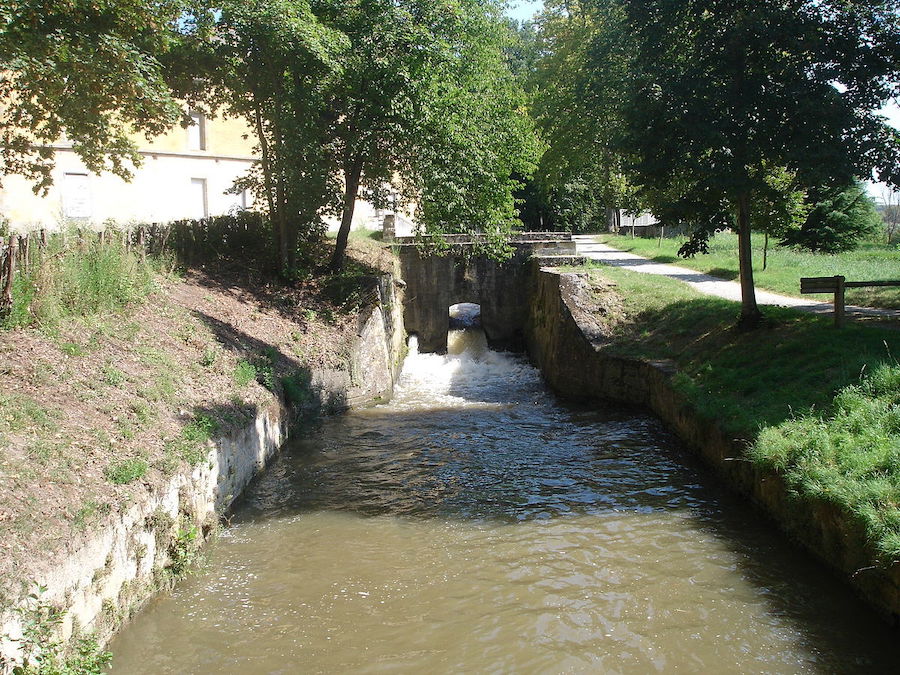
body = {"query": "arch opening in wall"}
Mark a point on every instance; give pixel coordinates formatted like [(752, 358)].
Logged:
[(464, 315)]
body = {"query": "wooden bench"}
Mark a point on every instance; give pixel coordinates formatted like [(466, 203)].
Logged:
[(837, 285)]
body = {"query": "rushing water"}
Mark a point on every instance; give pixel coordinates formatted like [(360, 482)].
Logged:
[(475, 524)]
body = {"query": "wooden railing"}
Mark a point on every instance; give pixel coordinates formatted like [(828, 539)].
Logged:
[(837, 286)]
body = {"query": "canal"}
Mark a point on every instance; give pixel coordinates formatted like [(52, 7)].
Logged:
[(476, 524)]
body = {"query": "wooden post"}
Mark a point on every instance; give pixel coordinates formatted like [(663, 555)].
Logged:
[(43, 238), (25, 245), (6, 299), (142, 247), (839, 302)]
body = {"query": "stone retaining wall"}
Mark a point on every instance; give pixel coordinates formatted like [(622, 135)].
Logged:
[(565, 344)]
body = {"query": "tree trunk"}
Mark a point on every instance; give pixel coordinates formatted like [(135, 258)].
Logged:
[(750, 314), (266, 164), (766, 251), (287, 240), (351, 189)]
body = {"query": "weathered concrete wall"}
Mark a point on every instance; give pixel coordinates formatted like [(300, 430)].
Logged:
[(125, 562), (564, 343), (502, 289)]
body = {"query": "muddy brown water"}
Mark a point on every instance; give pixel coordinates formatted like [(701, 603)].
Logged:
[(475, 524)]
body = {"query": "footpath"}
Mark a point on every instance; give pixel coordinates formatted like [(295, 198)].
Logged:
[(588, 247)]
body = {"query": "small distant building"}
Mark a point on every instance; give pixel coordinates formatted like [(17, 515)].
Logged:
[(641, 225)]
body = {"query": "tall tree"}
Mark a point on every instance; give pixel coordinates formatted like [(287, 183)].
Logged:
[(84, 70), (426, 104), (578, 107), (839, 217), (272, 63), (721, 89)]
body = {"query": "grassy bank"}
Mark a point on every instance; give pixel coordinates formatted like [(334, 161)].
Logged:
[(785, 266), (820, 405), (848, 455)]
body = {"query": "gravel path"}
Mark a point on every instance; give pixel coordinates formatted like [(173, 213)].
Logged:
[(731, 290)]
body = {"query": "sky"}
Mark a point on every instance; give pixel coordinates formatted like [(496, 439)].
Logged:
[(525, 9)]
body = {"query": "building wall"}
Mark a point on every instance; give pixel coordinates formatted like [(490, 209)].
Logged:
[(185, 174)]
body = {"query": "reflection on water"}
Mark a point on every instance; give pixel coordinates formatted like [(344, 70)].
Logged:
[(476, 525)]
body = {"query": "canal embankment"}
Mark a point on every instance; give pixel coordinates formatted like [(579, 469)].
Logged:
[(654, 343), (128, 433)]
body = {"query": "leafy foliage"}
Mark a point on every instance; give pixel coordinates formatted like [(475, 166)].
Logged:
[(578, 108), (43, 653), (428, 107), (838, 220), (87, 71), (411, 100)]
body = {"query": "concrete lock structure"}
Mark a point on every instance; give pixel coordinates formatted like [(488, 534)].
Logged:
[(501, 288)]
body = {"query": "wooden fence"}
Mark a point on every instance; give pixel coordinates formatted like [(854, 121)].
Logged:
[(191, 242)]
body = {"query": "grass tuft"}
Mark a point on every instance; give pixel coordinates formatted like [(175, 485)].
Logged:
[(244, 373), (126, 471)]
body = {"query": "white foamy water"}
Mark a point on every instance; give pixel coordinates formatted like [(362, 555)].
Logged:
[(464, 377)]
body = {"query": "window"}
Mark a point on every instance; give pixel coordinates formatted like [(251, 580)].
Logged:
[(197, 131), (76, 196), (197, 204)]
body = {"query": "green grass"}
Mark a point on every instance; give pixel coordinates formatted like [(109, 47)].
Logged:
[(126, 471), (70, 281), (819, 405), (785, 266), (19, 412), (190, 445), (849, 457), (244, 373), (744, 380)]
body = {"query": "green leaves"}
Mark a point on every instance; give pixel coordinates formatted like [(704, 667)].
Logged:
[(88, 70)]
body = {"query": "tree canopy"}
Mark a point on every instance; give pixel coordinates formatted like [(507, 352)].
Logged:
[(412, 100), (720, 93), (85, 71)]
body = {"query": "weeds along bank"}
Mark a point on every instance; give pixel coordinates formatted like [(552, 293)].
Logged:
[(127, 428), (800, 417)]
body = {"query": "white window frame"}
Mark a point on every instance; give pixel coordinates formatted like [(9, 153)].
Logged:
[(196, 131), (204, 189)]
